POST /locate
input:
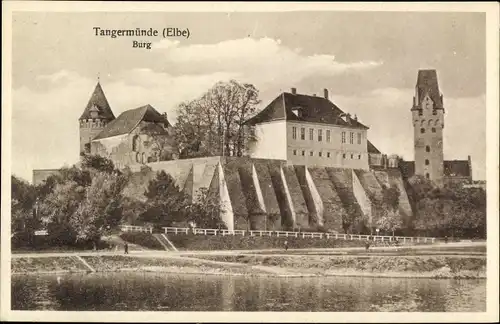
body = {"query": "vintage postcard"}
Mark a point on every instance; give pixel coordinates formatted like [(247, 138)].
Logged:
[(255, 162)]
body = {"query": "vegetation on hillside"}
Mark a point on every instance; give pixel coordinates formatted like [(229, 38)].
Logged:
[(448, 211), (79, 205)]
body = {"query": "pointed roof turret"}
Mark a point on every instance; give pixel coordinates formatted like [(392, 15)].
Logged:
[(427, 84), (98, 99)]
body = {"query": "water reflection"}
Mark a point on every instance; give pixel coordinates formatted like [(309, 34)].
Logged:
[(170, 292)]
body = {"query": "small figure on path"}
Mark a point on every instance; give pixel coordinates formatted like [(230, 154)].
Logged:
[(286, 245), (367, 245), (126, 248), (446, 239)]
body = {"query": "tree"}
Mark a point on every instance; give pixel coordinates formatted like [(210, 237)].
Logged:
[(165, 201), (214, 123), (23, 197), (98, 163), (58, 208), (390, 222), (205, 211), (101, 208)]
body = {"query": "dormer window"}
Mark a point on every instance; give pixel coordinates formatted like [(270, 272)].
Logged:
[(94, 112), (297, 111)]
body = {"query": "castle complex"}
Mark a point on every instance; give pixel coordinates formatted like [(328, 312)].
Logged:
[(311, 164)]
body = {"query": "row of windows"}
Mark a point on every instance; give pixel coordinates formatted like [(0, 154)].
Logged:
[(422, 130), (320, 135), (420, 112), (328, 155)]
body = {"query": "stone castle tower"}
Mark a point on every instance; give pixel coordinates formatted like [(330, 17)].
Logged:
[(428, 124), (95, 117)]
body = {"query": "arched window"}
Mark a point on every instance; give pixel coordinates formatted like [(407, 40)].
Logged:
[(426, 162), (427, 148), (422, 130), (135, 143), (430, 122), (143, 159), (138, 157), (436, 122), (422, 122), (427, 176)]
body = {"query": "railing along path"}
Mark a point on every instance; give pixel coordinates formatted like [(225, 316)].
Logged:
[(225, 232)]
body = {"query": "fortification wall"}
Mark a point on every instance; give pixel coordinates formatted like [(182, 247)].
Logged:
[(260, 194)]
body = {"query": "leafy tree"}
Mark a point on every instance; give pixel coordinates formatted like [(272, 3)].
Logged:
[(165, 201), (214, 123), (390, 222), (57, 209), (23, 197), (205, 211), (100, 210), (98, 163)]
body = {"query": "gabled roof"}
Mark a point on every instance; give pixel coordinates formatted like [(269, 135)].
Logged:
[(427, 83), (128, 121), (457, 168), (98, 99), (372, 148), (311, 109), (453, 168)]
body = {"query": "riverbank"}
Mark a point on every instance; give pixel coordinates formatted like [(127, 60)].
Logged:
[(431, 266)]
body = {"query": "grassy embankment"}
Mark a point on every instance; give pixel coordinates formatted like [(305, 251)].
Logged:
[(192, 242)]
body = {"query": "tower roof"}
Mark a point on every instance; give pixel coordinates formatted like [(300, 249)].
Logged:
[(98, 99), (427, 83)]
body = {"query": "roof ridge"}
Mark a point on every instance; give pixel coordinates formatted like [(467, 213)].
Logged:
[(145, 108)]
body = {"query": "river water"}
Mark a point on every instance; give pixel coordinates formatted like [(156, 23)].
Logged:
[(172, 292)]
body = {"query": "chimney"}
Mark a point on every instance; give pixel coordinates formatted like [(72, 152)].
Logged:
[(325, 92), (294, 90)]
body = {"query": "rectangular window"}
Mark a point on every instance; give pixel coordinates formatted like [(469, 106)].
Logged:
[(303, 153), (294, 132), (311, 134), (359, 138), (343, 137), (294, 152), (311, 153), (320, 135), (328, 154), (328, 135), (351, 137), (320, 154), (302, 133)]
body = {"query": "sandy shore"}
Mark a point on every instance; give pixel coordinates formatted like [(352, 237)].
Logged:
[(270, 266)]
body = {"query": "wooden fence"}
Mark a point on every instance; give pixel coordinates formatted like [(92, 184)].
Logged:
[(317, 235)]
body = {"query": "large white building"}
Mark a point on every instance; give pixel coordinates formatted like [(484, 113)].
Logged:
[(310, 130)]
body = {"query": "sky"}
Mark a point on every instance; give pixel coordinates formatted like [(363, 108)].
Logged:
[(367, 60)]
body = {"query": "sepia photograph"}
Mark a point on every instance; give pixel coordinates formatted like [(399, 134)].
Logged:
[(234, 159)]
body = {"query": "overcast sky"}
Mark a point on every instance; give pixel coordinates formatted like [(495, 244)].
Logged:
[(368, 61)]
